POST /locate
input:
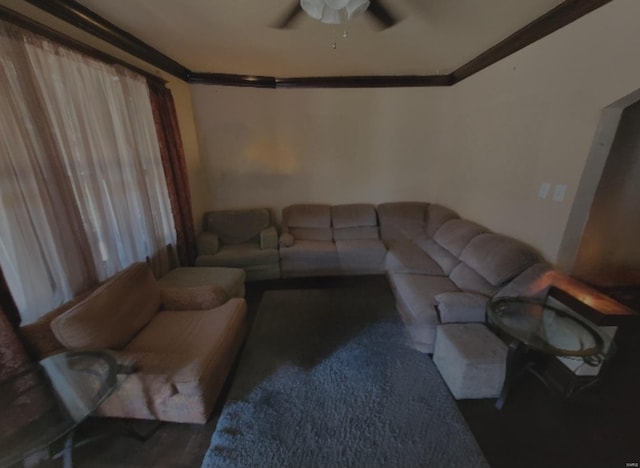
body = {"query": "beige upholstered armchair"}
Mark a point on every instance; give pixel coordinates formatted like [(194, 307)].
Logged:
[(243, 239)]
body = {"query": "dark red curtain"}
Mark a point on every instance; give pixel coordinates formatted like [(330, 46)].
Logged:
[(175, 170), (7, 306), (13, 356)]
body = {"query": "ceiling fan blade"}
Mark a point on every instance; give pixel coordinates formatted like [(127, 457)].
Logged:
[(289, 17), (381, 14)]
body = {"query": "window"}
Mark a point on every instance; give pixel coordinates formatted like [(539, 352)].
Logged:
[(82, 189)]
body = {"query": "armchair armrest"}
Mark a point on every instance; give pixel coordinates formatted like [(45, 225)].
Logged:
[(269, 238), (461, 307), (286, 239), (193, 298), (207, 243)]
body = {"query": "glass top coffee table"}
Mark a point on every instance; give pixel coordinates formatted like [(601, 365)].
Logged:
[(534, 325), (46, 402)]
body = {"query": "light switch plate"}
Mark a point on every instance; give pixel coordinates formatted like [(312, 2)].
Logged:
[(543, 191), (559, 192)]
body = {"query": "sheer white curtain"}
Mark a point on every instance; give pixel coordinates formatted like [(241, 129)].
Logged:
[(83, 193)]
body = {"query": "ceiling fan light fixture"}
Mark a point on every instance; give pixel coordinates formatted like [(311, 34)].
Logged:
[(331, 16), (330, 11), (313, 8), (356, 8), (336, 4)]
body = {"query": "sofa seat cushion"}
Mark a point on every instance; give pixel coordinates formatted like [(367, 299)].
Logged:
[(361, 256), (113, 313), (361, 232), (309, 249), (239, 256), (309, 258), (193, 297), (229, 279), (417, 293), (312, 234), (193, 342), (407, 257), (415, 299)]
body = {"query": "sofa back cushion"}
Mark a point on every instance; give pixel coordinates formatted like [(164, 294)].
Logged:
[(237, 226), (308, 222), (468, 280), (113, 313), (498, 258), (436, 216), (455, 234), (402, 220), (354, 221)]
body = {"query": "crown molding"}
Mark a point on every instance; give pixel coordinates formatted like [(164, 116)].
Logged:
[(386, 81), (83, 18), (560, 16), (225, 79)]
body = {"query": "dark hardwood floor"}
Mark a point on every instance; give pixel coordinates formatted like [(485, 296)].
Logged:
[(599, 427)]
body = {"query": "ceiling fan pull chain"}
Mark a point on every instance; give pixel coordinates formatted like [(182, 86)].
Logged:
[(345, 20)]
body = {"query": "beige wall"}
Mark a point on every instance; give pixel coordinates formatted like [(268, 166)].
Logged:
[(482, 147)]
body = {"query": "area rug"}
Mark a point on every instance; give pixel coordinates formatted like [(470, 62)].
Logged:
[(327, 380)]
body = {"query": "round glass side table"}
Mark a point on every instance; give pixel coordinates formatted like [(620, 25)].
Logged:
[(533, 325), (46, 402)]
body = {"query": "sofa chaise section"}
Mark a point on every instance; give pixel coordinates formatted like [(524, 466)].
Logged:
[(486, 266), (178, 344)]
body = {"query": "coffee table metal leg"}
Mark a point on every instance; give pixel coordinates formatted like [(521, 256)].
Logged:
[(513, 359)]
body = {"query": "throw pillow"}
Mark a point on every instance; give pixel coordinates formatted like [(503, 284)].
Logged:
[(286, 239)]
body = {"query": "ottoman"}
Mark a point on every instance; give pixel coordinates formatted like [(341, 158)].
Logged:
[(470, 359), (229, 279)]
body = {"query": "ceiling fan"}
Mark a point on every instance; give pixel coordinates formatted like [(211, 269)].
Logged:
[(332, 11)]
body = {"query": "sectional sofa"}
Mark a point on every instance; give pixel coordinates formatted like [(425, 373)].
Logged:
[(442, 268)]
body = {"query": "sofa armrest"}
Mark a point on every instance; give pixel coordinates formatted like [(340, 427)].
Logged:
[(269, 238), (461, 307), (287, 239), (193, 298), (207, 243)]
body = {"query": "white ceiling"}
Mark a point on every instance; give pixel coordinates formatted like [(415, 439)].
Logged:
[(238, 37)]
